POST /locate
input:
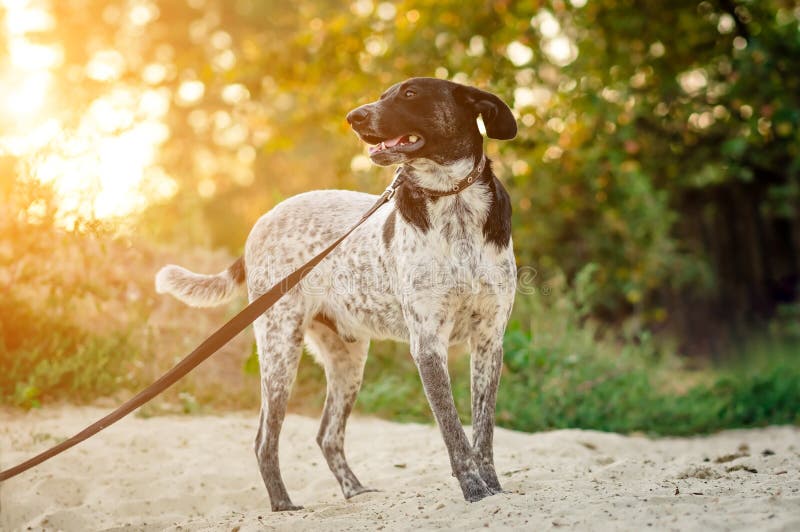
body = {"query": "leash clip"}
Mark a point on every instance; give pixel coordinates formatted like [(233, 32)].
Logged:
[(395, 184)]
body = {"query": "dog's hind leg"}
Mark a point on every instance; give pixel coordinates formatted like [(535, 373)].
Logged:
[(344, 370), (279, 338)]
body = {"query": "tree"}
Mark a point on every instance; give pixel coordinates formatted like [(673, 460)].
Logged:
[(659, 143)]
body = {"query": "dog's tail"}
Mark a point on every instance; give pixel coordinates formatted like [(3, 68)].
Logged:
[(199, 290)]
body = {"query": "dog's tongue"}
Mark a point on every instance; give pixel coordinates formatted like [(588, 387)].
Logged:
[(393, 142)]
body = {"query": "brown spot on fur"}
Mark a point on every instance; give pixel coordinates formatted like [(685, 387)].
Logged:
[(388, 228), (327, 322), (237, 270)]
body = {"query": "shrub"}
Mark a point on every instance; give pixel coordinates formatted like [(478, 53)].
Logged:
[(562, 370)]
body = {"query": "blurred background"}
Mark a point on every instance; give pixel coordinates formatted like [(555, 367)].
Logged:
[(655, 185)]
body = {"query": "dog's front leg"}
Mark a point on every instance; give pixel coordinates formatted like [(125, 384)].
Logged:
[(486, 363), (430, 355)]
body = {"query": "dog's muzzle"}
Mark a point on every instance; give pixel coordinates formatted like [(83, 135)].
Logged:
[(357, 115)]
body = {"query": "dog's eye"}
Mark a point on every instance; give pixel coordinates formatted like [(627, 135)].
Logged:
[(410, 93)]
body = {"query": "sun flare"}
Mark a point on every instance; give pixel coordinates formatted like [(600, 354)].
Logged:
[(104, 165)]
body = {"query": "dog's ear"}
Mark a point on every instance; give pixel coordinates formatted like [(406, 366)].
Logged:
[(497, 117)]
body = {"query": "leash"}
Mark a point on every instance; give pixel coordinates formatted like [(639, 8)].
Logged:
[(209, 346)]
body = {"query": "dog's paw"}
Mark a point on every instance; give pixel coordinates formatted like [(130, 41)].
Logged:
[(489, 476), (358, 491), (474, 488), (285, 506)]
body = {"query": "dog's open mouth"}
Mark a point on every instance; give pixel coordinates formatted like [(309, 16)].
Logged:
[(403, 143)]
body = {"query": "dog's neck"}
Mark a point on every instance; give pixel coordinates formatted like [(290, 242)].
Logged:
[(484, 206), (427, 174)]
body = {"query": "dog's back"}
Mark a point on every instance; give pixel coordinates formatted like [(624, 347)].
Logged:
[(280, 241)]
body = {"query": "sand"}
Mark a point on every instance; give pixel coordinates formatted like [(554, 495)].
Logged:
[(199, 473)]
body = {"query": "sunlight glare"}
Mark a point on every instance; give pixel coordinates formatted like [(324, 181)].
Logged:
[(100, 176), (560, 50), (22, 97), (518, 53), (26, 56), (190, 92), (106, 166), (106, 65), (22, 18)]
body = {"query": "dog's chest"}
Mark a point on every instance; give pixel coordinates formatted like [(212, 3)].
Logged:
[(454, 250), (443, 261), (382, 283), (451, 275)]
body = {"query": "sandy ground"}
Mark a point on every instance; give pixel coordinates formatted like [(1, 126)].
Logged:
[(199, 473)]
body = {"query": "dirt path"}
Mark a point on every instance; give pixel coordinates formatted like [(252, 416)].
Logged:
[(199, 473)]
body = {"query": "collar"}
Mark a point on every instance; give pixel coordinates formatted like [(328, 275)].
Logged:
[(400, 178)]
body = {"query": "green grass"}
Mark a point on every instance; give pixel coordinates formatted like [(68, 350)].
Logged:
[(561, 370), (45, 357), (545, 388)]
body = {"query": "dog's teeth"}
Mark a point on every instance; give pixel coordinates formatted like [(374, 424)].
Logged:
[(412, 138), (382, 146)]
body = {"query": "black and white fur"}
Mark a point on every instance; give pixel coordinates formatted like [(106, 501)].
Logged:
[(432, 272)]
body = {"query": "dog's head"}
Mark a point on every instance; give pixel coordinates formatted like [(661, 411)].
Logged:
[(430, 118)]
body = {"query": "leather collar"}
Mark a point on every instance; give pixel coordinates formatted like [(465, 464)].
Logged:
[(471, 177)]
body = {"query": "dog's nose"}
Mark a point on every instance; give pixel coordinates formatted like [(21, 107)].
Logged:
[(357, 115)]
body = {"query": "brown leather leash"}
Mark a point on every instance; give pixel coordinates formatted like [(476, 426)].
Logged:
[(234, 326)]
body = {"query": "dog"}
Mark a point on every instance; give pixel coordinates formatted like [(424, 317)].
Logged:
[(434, 267)]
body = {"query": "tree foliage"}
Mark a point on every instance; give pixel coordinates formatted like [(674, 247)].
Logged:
[(658, 142)]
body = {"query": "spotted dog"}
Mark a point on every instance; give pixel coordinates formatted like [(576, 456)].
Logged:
[(432, 268)]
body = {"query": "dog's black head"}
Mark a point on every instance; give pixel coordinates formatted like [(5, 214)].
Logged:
[(430, 118)]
